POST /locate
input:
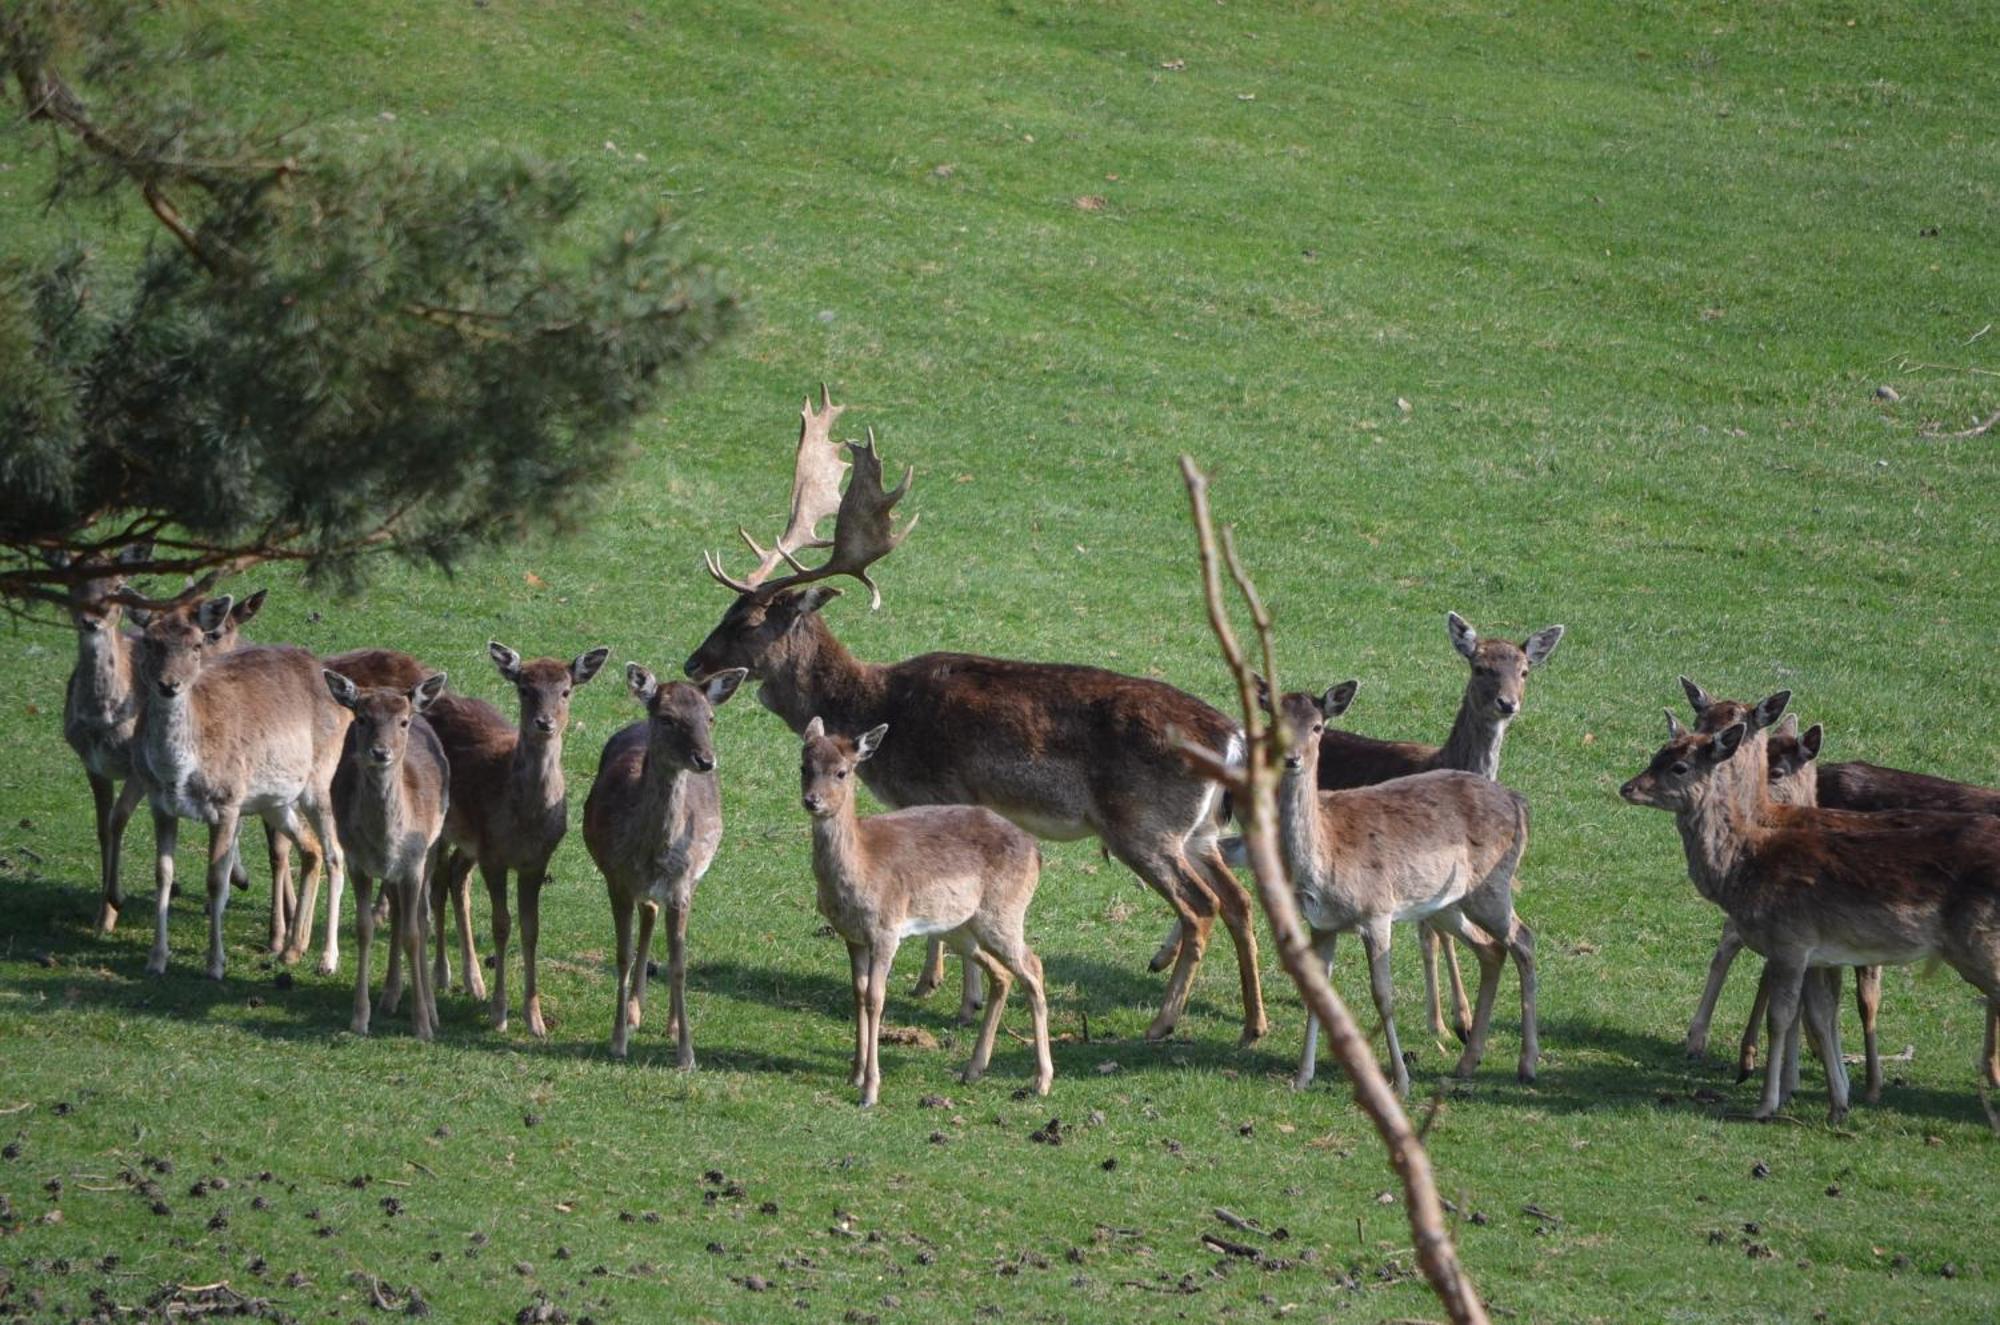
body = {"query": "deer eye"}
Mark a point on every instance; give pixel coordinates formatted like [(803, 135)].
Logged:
[(1679, 769), (841, 775), (1318, 727), (565, 693), (405, 722)]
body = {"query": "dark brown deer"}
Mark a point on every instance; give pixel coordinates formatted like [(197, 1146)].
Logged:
[(1809, 887), (1065, 752), (221, 735), (1495, 691), (959, 871), (509, 810), (389, 797), (652, 823), (1442, 846)]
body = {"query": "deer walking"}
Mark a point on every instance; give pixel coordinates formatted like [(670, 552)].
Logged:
[(249, 731), (1442, 846), (1065, 752), (959, 872), (508, 812), (652, 823), (1809, 887), (389, 797), (1495, 691)]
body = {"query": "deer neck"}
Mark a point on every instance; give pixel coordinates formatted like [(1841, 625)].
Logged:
[(1719, 830), (1300, 832), (535, 775), (836, 848), (663, 791), (818, 677), (171, 746), (383, 799), (1474, 743), (103, 675)]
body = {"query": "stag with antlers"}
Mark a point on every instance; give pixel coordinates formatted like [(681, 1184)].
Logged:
[(1064, 751)]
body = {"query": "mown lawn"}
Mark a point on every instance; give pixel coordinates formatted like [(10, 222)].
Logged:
[(1637, 271)]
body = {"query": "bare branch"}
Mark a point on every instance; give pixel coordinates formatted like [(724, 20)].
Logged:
[(1256, 785)]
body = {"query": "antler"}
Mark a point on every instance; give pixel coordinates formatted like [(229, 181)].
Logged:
[(863, 513)]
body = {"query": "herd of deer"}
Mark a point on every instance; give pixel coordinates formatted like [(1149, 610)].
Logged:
[(366, 765)]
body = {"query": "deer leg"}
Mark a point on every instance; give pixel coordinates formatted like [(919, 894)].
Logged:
[(105, 798), (1322, 944), (300, 928), (1868, 998), (857, 965), (1822, 1023), (166, 834), (1375, 936), (496, 894), (530, 896), (221, 860), (1233, 900), (364, 940), (319, 817), (1427, 950), (1992, 1055), (971, 997), (1195, 906), (1746, 1051), (1027, 968), (412, 911), (1170, 948), (283, 901), (997, 980), (1491, 954), (1786, 978), (621, 923), (1726, 949), (881, 955), (1521, 944), (386, 902), (931, 977), (635, 1002), (677, 1018), (459, 870), (1461, 1006)]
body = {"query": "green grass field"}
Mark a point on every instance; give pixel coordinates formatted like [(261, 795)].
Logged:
[(1637, 270)]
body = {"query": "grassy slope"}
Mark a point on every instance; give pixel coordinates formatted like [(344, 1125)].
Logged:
[(1636, 272)]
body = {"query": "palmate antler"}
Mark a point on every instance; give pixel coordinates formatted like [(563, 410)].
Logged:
[(862, 514)]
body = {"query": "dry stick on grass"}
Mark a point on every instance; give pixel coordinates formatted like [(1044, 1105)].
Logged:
[(1254, 786)]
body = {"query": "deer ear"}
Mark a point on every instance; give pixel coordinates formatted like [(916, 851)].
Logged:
[(1810, 742), (1768, 709), (1727, 742), (808, 601), (343, 690), (815, 729), (508, 661), (1463, 637), (1335, 701), (587, 665), (866, 746), (1674, 729), (723, 684), (1698, 699), (1263, 692), (425, 692), (1787, 726), (249, 607), (1541, 644), (214, 613), (640, 682)]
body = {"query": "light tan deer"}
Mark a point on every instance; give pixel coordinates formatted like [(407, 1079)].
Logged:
[(1810, 887), (652, 822), (252, 731), (1442, 846), (960, 872), (389, 797), (509, 809), (1065, 752), (1495, 691)]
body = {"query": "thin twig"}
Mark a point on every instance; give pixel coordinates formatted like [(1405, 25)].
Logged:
[(1975, 430)]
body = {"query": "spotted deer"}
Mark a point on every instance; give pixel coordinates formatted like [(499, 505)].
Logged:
[(1065, 752), (652, 823), (389, 797), (1809, 887), (958, 872), (509, 810), (1495, 691), (1441, 846), (224, 734)]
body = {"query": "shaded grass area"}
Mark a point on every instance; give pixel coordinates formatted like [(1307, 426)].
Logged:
[(1637, 274)]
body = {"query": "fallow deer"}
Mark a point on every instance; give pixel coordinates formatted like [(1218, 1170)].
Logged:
[(1065, 752), (389, 798), (1494, 694), (959, 872), (1442, 846), (221, 735), (509, 809), (652, 822), (1809, 887)]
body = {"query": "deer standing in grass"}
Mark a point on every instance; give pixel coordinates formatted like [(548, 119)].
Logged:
[(509, 810), (1809, 887), (1494, 694), (251, 731), (389, 797), (1441, 846), (652, 823), (1065, 752), (958, 872)]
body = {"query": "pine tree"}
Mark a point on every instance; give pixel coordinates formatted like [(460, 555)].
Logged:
[(297, 347)]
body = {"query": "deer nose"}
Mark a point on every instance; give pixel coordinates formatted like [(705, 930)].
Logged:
[(545, 725), (170, 688), (1294, 761), (1630, 791), (692, 668), (1509, 707), (379, 753), (702, 763), (812, 802)]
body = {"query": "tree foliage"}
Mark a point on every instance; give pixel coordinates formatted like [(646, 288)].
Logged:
[(316, 349)]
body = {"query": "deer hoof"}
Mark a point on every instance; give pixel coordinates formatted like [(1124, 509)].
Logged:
[(684, 1062)]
